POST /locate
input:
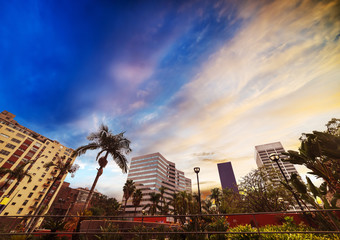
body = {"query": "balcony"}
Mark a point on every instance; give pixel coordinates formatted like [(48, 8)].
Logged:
[(46, 184)]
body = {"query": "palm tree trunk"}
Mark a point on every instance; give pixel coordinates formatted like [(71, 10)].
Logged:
[(99, 173)]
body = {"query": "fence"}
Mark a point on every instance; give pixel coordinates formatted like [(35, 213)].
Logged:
[(164, 226)]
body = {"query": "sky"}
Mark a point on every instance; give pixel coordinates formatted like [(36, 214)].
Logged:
[(201, 82)]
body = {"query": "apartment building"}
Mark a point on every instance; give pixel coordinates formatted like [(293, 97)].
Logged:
[(22, 147), (152, 171)]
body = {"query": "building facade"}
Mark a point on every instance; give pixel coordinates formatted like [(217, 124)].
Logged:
[(262, 153), (70, 201), (227, 176), (152, 171), (22, 147)]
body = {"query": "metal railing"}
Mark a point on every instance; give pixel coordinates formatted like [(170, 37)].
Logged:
[(95, 227)]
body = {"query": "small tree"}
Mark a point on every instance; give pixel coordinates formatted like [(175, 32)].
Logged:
[(137, 198), (128, 190)]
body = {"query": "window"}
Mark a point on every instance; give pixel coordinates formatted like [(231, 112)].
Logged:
[(38, 168), (30, 212), (4, 152), (19, 211), (1, 141), (24, 187), (15, 140), (20, 135), (19, 195), (4, 135), (37, 145), (35, 187), (30, 195), (43, 175), (1, 159), (10, 130), (40, 180), (6, 213), (13, 203)]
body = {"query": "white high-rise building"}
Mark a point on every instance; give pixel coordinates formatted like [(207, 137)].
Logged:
[(262, 153), (152, 171)]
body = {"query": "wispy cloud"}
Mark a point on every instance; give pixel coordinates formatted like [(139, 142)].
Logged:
[(278, 73)]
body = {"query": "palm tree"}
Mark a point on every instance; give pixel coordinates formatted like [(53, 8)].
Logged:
[(19, 173), (128, 190), (137, 198), (109, 144), (215, 194), (162, 191), (153, 206), (63, 168)]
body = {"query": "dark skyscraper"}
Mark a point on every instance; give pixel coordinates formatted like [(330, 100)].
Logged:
[(227, 176)]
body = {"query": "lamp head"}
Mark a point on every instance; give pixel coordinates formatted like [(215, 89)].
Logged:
[(197, 169), (274, 157)]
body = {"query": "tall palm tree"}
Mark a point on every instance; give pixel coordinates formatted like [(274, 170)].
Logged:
[(19, 173), (110, 144), (137, 198), (63, 168), (128, 190)]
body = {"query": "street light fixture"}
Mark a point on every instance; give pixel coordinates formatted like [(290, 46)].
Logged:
[(197, 170), (275, 158)]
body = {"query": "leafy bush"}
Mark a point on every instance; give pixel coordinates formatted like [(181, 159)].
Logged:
[(110, 236), (218, 224), (287, 226)]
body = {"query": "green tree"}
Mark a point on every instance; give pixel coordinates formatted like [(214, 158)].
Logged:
[(109, 144), (154, 198), (231, 202), (163, 204), (128, 190), (137, 198), (216, 195), (261, 194), (320, 153)]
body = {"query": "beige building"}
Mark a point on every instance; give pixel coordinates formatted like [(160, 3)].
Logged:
[(152, 171), (22, 146)]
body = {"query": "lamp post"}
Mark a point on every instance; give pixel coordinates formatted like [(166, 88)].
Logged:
[(197, 170), (143, 212), (275, 158)]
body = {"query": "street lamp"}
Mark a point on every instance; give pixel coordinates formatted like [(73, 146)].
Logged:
[(197, 170), (143, 212), (275, 158)]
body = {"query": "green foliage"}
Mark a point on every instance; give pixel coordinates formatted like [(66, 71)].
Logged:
[(261, 194), (218, 224), (320, 153), (103, 205), (287, 226), (111, 232)]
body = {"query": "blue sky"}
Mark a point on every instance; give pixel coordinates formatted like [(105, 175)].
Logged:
[(201, 82)]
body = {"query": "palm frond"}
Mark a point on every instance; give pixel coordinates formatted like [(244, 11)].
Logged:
[(120, 160), (83, 149)]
